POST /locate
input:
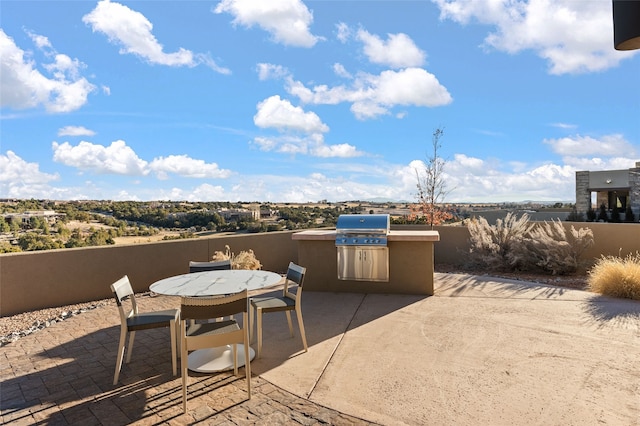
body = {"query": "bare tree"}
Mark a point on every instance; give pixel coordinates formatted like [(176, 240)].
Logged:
[(431, 185)]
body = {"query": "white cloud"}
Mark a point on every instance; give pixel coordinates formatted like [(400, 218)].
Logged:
[(21, 179), (577, 146), (343, 150), (117, 158), (133, 32), (287, 21), (341, 71), (185, 166), (565, 126), (75, 131), (40, 41), (301, 132), (573, 36), (15, 170), (270, 71), (599, 163), (343, 32), (278, 113), (23, 86), (375, 95), (398, 51)]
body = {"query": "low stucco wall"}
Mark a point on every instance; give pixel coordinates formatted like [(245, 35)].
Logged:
[(35, 280), (610, 239)]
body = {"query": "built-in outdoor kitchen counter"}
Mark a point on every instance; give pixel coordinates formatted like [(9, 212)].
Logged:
[(410, 263)]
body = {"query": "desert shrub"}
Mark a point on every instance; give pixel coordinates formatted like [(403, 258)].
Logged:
[(515, 244), (554, 250), (493, 246), (243, 260), (591, 215), (574, 216), (629, 216), (617, 277), (615, 215), (603, 216)]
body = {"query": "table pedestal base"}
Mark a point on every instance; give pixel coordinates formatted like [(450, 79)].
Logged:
[(212, 360)]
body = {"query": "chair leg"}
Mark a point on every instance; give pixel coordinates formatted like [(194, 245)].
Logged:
[(123, 339), (184, 367), (132, 335), (247, 363), (259, 329), (234, 352), (289, 321), (251, 319), (301, 325), (172, 329)]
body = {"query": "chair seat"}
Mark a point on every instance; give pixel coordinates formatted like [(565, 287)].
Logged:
[(147, 320), (218, 327), (273, 303)]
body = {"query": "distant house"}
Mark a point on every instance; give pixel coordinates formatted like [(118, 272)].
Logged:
[(24, 218), (613, 188)]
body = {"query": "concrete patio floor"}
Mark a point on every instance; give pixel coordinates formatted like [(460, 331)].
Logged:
[(480, 351)]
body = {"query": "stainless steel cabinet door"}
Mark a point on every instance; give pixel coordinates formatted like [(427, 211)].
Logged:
[(360, 263)]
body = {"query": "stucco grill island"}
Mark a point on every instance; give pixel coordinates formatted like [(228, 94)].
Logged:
[(365, 254)]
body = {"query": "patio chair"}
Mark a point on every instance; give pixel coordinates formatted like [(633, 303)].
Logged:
[(218, 265), (131, 320), (209, 266), (214, 334), (288, 302)]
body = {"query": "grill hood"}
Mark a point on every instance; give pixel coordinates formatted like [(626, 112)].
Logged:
[(363, 224)]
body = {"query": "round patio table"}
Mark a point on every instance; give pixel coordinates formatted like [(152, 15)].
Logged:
[(215, 283)]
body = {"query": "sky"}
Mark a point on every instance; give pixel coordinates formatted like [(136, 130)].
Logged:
[(301, 101)]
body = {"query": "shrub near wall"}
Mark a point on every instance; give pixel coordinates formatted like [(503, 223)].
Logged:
[(616, 276), (516, 244)]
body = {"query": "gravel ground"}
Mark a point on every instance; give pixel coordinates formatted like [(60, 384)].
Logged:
[(15, 326)]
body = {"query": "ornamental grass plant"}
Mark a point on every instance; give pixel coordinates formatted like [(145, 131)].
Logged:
[(616, 276), (243, 260)]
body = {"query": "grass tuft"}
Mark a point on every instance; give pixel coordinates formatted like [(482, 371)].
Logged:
[(616, 276)]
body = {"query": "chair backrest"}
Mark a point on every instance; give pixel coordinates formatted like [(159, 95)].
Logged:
[(295, 274), (198, 308), (123, 291), (209, 266)]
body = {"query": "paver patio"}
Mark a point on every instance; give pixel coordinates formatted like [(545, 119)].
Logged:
[(480, 351)]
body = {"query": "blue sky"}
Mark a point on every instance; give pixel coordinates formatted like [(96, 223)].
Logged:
[(292, 101)]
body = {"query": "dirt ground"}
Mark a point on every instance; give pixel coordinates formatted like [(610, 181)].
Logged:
[(85, 228)]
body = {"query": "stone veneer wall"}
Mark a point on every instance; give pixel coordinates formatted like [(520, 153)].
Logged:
[(583, 194), (634, 189)]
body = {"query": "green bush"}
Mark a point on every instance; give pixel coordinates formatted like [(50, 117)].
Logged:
[(617, 277)]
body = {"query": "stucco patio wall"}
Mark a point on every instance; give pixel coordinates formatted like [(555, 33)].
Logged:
[(35, 280), (43, 279)]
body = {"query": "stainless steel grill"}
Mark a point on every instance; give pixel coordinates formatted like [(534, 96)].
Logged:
[(361, 242), (359, 229)]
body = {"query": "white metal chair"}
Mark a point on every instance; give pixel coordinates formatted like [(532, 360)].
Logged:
[(214, 334), (218, 265), (131, 320), (288, 302)]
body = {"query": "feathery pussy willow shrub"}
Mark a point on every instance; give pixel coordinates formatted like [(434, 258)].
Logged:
[(616, 276), (515, 244)]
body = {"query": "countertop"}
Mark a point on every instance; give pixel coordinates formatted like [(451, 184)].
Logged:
[(330, 235)]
